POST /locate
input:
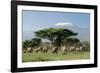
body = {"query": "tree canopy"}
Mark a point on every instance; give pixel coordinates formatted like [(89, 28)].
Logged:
[(55, 35), (36, 42), (31, 43), (26, 44), (71, 41)]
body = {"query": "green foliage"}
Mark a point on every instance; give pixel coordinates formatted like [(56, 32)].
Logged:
[(71, 41), (26, 44), (31, 43), (55, 35), (36, 42)]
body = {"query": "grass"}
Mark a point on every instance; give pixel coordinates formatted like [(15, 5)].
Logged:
[(34, 57)]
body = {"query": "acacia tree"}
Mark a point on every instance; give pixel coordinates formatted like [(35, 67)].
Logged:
[(31, 43), (55, 35), (71, 41), (35, 42), (26, 44)]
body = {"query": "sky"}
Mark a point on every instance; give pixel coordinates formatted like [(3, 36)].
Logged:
[(36, 20)]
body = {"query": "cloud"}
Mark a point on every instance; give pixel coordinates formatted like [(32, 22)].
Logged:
[(64, 24)]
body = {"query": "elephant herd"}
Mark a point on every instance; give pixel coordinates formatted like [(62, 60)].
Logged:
[(53, 49)]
